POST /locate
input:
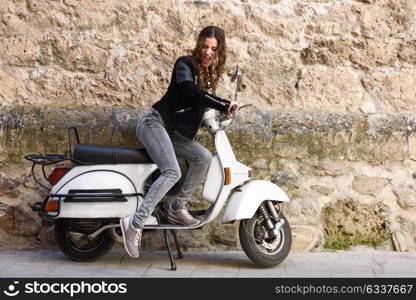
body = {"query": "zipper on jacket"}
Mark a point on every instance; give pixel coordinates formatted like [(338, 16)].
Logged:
[(183, 110)]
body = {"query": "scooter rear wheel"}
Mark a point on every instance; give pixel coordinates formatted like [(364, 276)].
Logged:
[(262, 249), (74, 243)]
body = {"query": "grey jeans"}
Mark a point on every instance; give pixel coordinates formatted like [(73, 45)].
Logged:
[(163, 147)]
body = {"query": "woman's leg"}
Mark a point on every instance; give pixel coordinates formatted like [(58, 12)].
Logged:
[(154, 137), (199, 159), (152, 134)]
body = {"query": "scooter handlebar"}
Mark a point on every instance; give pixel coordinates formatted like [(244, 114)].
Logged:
[(236, 107), (245, 106)]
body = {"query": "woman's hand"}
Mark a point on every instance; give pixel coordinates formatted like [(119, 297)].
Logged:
[(233, 108)]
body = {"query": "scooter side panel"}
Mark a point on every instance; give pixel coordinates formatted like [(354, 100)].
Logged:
[(137, 173), (244, 203), (127, 178)]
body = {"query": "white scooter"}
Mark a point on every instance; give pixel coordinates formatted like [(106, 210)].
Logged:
[(103, 184)]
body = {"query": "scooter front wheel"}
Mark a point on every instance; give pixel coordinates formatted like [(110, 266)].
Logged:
[(259, 246), (72, 237)]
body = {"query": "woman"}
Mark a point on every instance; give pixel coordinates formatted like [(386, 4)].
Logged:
[(168, 128)]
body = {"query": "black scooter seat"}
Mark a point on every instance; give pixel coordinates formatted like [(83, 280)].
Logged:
[(99, 154)]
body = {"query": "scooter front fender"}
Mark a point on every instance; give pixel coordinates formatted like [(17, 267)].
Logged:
[(245, 201)]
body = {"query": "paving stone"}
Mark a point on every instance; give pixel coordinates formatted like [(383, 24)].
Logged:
[(157, 271), (18, 256), (116, 271), (5, 265), (364, 272), (307, 271), (26, 270), (257, 272), (394, 271), (201, 273), (214, 271), (142, 262), (71, 271)]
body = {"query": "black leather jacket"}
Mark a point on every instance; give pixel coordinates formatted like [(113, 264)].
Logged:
[(183, 105)]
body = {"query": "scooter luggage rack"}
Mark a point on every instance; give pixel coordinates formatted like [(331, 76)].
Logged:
[(45, 159), (92, 197)]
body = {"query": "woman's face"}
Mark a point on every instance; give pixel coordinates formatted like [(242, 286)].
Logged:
[(209, 51)]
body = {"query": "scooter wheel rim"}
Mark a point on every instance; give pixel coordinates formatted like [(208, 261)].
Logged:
[(273, 247)]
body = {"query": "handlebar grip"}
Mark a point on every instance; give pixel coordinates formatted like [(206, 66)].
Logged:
[(233, 108)]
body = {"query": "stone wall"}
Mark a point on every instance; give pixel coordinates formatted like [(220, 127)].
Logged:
[(323, 56), (333, 83)]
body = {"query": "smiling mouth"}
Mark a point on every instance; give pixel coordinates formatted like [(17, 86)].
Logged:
[(206, 59)]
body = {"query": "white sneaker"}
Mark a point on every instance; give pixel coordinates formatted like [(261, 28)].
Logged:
[(182, 217), (131, 237), (151, 221)]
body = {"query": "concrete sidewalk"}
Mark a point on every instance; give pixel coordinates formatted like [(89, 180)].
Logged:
[(53, 264)]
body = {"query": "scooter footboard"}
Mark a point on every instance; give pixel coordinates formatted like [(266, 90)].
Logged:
[(96, 194), (244, 202)]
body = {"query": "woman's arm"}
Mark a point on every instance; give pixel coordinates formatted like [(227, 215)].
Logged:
[(191, 92)]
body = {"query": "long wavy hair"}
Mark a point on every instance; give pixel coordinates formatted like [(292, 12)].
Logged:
[(208, 78)]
